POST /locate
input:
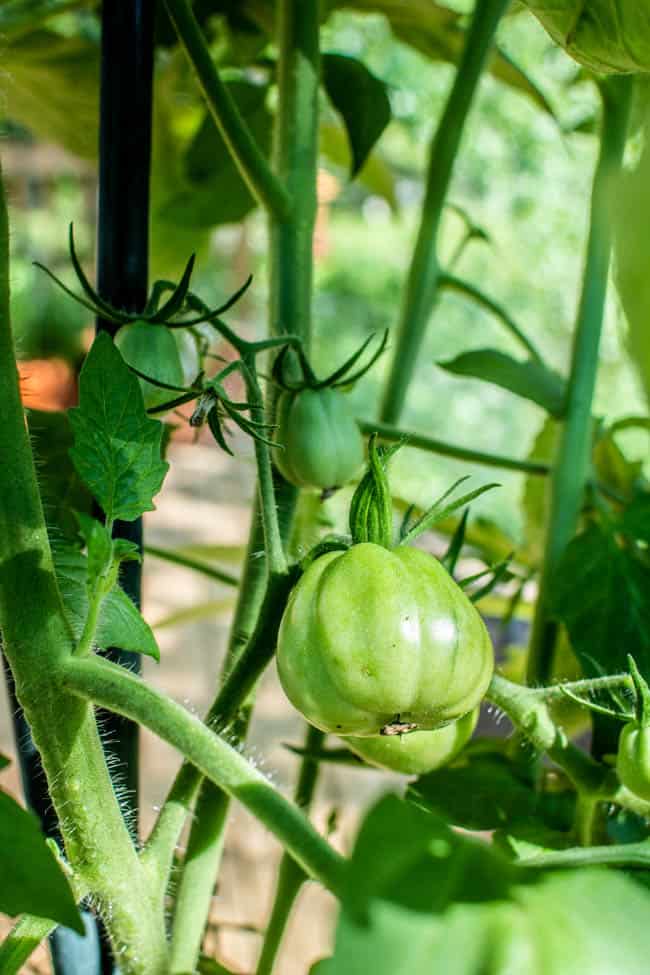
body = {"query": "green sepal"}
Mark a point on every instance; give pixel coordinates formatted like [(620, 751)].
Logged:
[(642, 694), (371, 509)]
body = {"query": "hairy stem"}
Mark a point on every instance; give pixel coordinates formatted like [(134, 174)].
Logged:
[(290, 875), (111, 687), (37, 639), (572, 464), (424, 273), (247, 155)]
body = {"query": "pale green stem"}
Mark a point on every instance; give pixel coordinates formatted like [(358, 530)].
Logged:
[(585, 687), (571, 468), (177, 558), (247, 155), (290, 875), (395, 434), (423, 278), (125, 693)]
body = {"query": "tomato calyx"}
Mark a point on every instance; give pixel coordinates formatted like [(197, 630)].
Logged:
[(293, 372)]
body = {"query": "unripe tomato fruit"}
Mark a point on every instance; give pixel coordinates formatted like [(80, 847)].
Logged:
[(418, 752), (321, 444), (633, 759), (153, 350), (376, 640)]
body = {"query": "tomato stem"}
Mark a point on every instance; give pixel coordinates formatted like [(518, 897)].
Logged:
[(572, 464), (424, 273)]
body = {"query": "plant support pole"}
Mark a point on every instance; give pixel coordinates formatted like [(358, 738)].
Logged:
[(424, 273), (572, 464)]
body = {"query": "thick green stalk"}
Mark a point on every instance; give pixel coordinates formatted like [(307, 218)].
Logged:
[(424, 273), (250, 160), (290, 875), (295, 158), (37, 639), (113, 688), (412, 439), (571, 468)]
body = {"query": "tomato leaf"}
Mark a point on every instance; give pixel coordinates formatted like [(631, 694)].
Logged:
[(98, 545), (4, 761), (116, 445), (486, 791), (120, 622), (362, 101), (62, 490), (526, 378), (32, 880), (635, 521), (600, 592)]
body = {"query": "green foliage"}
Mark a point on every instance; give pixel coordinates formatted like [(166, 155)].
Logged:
[(362, 101), (529, 378), (32, 880), (116, 445), (62, 490), (437, 900), (119, 622), (604, 35), (600, 593), (52, 87)]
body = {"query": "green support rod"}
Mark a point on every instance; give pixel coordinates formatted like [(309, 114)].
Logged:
[(424, 272)]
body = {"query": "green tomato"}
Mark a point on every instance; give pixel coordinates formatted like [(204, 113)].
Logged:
[(607, 36), (418, 752), (152, 349), (376, 641), (320, 443), (633, 759)]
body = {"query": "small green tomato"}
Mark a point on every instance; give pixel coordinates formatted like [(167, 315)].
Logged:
[(381, 641), (418, 752), (633, 759), (320, 443), (152, 349)]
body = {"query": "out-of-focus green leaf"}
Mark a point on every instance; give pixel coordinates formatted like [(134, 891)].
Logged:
[(117, 446), (526, 378), (631, 215), (362, 101), (4, 761), (600, 592), (605, 35), (536, 494), (437, 32), (62, 490), (635, 521), (51, 86), (214, 191), (560, 924), (376, 175), (32, 880)]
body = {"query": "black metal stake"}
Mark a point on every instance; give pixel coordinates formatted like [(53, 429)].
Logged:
[(122, 278)]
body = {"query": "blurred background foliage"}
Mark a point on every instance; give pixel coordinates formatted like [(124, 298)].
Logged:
[(522, 180)]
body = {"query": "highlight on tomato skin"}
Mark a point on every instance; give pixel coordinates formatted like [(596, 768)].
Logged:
[(319, 442), (373, 640), (418, 752)]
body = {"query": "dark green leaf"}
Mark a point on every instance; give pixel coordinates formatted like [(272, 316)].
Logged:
[(527, 378), (216, 192), (4, 761), (437, 32), (601, 592), (482, 791), (62, 491), (117, 446), (51, 85), (208, 966), (32, 880), (362, 101), (635, 521)]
